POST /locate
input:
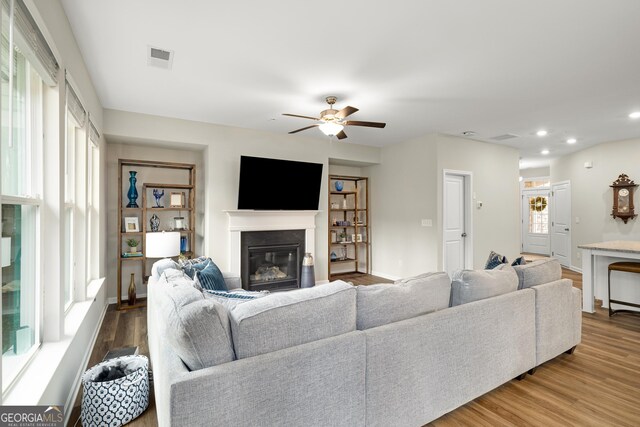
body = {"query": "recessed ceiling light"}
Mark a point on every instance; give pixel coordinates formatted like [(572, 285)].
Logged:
[(545, 152), (542, 132), (571, 141), (635, 115)]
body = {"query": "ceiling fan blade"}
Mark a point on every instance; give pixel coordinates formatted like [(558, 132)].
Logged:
[(346, 111), (302, 117), (366, 124), (305, 128), (341, 135)]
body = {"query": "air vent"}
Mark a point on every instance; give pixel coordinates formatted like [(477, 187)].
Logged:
[(504, 137), (160, 58)]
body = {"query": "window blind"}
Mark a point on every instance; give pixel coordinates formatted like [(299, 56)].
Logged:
[(75, 106), (94, 135), (31, 41)]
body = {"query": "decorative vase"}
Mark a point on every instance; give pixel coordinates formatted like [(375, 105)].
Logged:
[(132, 194), (308, 277), (183, 243), (158, 195), (133, 249), (154, 222), (334, 257), (132, 291), (339, 185)]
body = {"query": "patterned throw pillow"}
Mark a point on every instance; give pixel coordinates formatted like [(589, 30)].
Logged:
[(232, 299), (192, 266), (210, 277), (519, 261), (495, 260)]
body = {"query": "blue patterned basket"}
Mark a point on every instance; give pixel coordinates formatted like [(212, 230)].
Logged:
[(116, 402)]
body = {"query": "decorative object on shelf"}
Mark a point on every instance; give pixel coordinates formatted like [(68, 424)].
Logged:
[(308, 277), (623, 189), (334, 257), (132, 254), (183, 244), (344, 203), (176, 200), (158, 195), (132, 194), (131, 224), (353, 237), (335, 205), (132, 291), (343, 237), (133, 245), (359, 238), (344, 253), (179, 223), (162, 245), (334, 236), (154, 222), (339, 185)]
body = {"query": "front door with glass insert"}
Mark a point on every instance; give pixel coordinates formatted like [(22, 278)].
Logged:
[(535, 221)]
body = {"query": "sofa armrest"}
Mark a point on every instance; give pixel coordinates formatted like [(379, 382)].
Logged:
[(232, 281), (293, 386), (558, 321)]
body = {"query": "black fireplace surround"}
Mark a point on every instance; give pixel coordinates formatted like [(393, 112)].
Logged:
[(271, 260)]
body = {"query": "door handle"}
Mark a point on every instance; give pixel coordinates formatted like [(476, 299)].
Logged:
[(463, 235), (566, 229)]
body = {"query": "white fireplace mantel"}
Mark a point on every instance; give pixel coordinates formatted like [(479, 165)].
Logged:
[(249, 220)]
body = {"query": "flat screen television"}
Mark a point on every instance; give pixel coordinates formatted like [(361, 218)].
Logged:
[(273, 184)]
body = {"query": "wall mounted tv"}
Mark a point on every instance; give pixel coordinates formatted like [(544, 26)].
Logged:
[(273, 184)]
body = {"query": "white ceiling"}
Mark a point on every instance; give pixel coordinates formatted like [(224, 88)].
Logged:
[(491, 66)]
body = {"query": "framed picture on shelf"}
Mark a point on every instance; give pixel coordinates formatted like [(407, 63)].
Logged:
[(176, 200), (131, 224), (359, 238)]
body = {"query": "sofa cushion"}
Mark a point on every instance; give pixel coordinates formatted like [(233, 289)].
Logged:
[(473, 285), (538, 272), (287, 319), (161, 265), (391, 302), (197, 329)]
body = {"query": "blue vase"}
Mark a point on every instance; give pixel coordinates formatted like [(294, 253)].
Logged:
[(339, 185), (132, 194), (183, 243)]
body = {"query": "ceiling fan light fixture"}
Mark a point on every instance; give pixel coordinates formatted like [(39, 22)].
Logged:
[(330, 128)]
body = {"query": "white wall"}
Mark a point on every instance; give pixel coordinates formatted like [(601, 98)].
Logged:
[(591, 196), (535, 172), (223, 146), (407, 187)]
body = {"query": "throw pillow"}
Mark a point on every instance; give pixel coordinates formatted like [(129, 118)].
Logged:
[(232, 299), (495, 260), (191, 268), (210, 277), (519, 261)]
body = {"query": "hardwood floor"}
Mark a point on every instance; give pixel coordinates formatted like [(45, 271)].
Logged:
[(598, 385), (360, 279)]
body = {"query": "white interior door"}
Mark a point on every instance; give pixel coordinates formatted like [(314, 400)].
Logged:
[(454, 232), (535, 222), (561, 222)]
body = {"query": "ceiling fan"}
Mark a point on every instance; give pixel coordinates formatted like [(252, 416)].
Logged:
[(332, 122)]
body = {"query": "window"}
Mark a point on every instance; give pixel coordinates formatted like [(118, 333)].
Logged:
[(538, 215), (20, 194)]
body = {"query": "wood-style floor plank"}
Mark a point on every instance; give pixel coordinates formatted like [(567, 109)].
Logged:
[(598, 385)]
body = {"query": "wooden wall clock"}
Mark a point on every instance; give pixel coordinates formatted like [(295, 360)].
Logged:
[(623, 189)]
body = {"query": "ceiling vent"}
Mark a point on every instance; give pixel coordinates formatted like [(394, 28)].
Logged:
[(160, 58), (504, 137)]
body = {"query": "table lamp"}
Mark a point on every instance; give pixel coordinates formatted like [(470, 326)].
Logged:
[(165, 244)]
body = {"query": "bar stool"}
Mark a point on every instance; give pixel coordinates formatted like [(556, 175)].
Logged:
[(627, 267)]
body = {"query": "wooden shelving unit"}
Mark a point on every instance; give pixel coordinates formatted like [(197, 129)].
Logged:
[(349, 229), (146, 209)]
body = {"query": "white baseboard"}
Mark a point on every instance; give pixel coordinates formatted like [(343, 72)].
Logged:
[(114, 300), (385, 275), (77, 382), (576, 269), (321, 282)]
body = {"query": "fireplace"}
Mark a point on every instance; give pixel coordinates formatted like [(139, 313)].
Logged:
[(271, 260)]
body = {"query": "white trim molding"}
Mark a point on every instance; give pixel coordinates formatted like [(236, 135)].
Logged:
[(250, 220)]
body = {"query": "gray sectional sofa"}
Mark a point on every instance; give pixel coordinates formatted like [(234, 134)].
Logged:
[(398, 354)]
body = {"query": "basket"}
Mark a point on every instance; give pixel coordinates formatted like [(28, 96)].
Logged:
[(117, 401)]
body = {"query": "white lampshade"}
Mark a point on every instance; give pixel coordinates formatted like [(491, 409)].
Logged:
[(330, 128), (162, 245), (6, 251)]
